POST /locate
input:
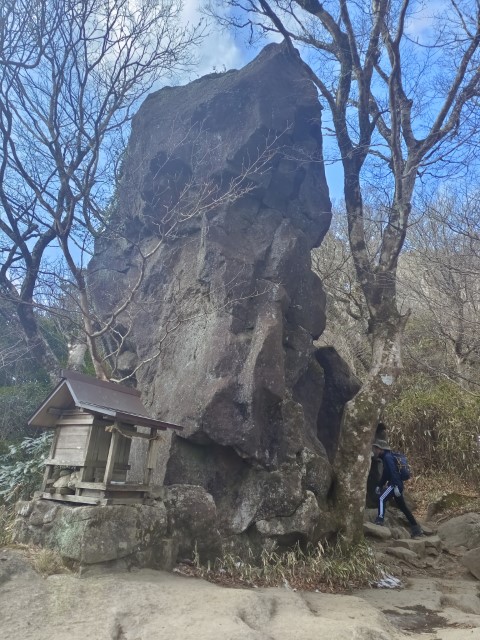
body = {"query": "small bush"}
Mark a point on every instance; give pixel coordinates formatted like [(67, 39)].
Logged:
[(437, 424), (323, 568), (47, 562), (21, 467)]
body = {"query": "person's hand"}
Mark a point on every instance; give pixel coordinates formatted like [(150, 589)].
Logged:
[(378, 491), (396, 492)]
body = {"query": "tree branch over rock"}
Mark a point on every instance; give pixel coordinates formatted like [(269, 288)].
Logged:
[(72, 75)]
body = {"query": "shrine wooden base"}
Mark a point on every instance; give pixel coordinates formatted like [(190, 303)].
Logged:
[(99, 493)]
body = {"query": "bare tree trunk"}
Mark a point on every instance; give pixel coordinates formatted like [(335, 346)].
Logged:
[(386, 329), (91, 342), (359, 423)]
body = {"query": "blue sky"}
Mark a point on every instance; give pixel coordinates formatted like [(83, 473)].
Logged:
[(223, 50), (227, 50)]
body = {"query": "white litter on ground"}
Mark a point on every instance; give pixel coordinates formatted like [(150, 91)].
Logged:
[(388, 582)]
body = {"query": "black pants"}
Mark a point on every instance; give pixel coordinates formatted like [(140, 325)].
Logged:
[(386, 495)]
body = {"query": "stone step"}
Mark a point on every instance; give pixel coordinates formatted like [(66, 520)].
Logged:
[(376, 531), (427, 529), (433, 542), (407, 555), (417, 545)]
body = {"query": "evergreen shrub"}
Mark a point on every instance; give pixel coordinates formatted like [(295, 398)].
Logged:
[(21, 467), (17, 403)]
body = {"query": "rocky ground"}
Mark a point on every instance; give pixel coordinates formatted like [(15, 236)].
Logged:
[(437, 598)]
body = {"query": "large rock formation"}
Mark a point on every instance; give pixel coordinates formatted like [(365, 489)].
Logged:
[(223, 183)]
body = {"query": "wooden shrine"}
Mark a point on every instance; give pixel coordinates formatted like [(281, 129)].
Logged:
[(94, 424)]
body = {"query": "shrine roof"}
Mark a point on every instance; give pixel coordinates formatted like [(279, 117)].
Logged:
[(106, 399)]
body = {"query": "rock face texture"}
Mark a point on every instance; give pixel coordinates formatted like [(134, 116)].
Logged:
[(156, 535), (224, 186), (91, 535)]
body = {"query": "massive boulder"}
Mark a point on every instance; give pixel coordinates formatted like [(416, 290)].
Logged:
[(222, 199)]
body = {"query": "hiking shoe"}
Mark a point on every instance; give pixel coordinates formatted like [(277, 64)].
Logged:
[(416, 532), (379, 521)]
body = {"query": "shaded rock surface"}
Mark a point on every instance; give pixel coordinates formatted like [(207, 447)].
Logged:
[(223, 182), (453, 552), (192, 518)]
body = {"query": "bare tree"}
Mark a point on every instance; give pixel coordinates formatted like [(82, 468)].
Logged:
[(400, 108), (72, 73), (347, 313), (440, 276), (23, 32)]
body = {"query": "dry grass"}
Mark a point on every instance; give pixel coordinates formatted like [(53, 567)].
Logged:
[(429, 488), (318, 568), (6, 520), (435, 423), (46, 562)]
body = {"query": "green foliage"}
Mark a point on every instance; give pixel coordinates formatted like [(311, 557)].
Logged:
[(17, 403), (21, 467), (23, 385), (17, 365), (339, 566), (55, 333), (437, 424), (88, 368)]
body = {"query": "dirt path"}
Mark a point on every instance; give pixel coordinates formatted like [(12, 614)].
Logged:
[(153, 605)]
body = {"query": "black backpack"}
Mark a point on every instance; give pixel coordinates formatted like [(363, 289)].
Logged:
[(402, 465)]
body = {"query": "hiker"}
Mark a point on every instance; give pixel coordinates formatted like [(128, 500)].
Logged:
[(394, 487)]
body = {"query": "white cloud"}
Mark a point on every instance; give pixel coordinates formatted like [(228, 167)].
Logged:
[(421, 23), (219, 51)]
